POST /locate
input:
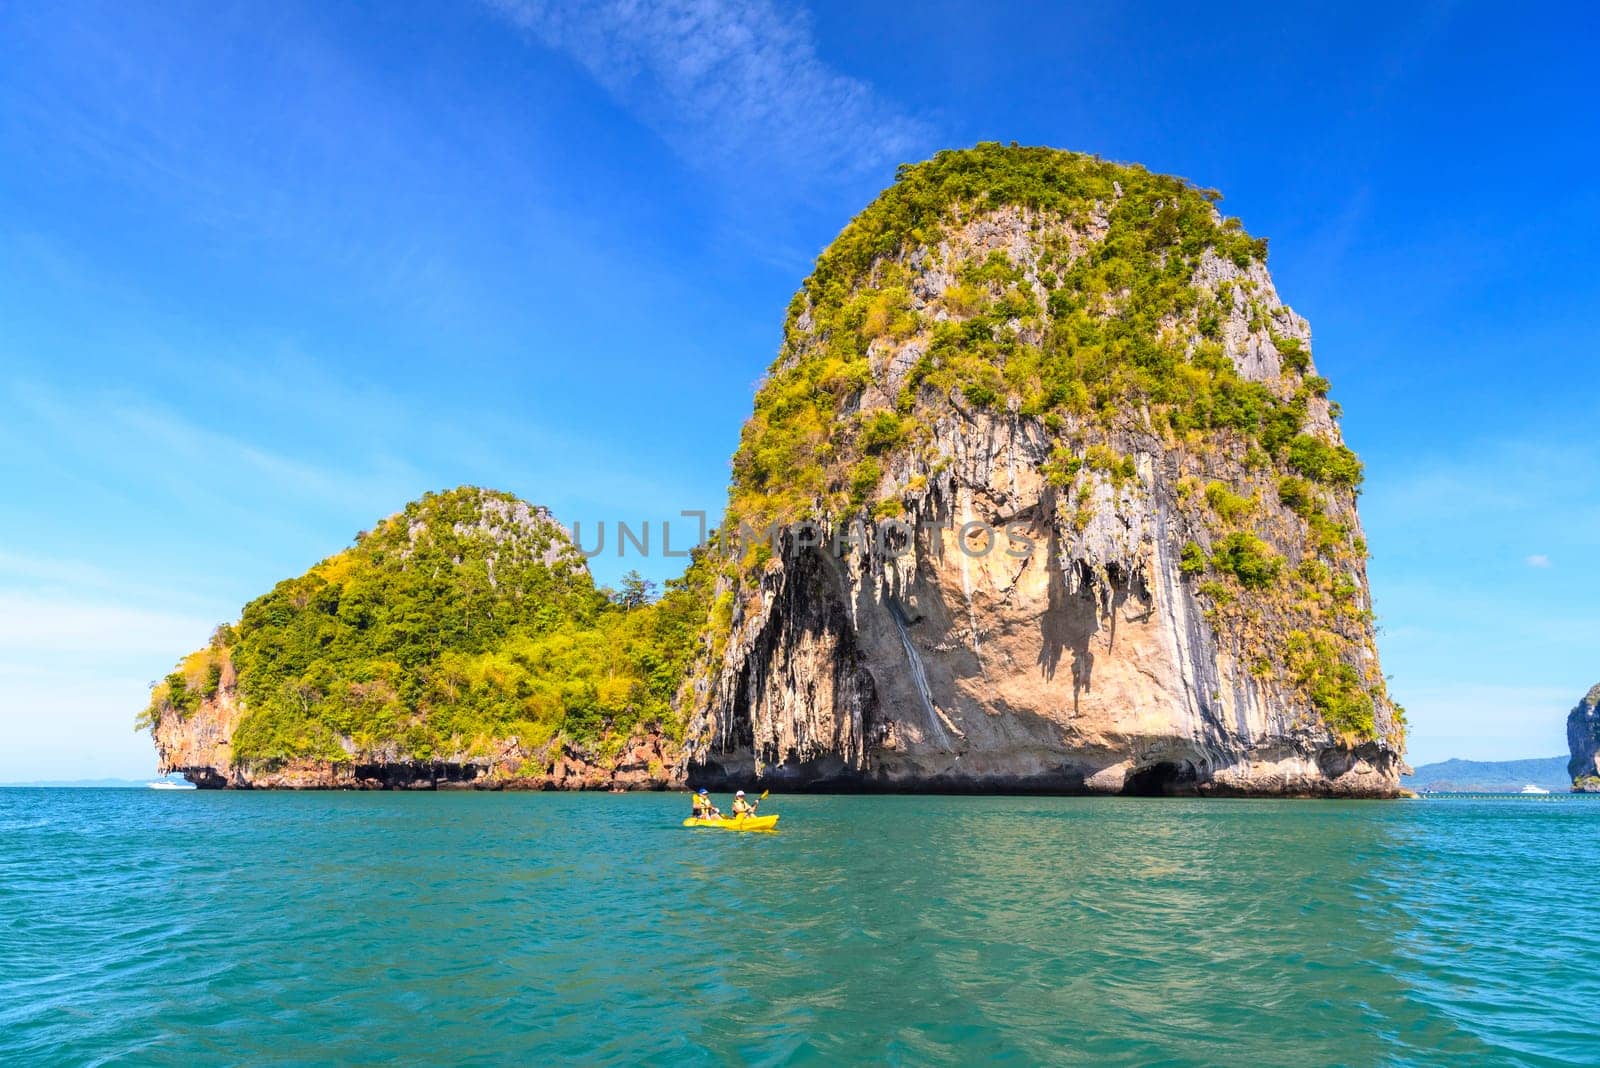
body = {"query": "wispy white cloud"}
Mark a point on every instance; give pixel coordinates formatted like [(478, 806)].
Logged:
[(1537, 472), (40, 569), (78, 647), (1486, 653), (129, 437), (735, 84), (69, 724), (34, 623), (43, 575)]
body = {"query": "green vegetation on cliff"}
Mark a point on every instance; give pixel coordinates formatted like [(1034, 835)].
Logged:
[(463, 621)]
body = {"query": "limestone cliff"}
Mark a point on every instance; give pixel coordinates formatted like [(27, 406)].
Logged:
[(1076, 514), (1583, 739)]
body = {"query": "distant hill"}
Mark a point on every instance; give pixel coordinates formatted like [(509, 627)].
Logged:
[(84, 783), (1490, 776)]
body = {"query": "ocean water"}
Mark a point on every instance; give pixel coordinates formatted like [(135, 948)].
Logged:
[(141, 927)]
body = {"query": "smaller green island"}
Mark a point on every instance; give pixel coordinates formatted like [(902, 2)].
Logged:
[(460, 639)]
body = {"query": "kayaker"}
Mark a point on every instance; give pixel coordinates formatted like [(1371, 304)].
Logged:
[(703, 808), (741, 807)]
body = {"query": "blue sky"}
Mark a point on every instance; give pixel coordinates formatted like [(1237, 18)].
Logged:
[(269, 271)]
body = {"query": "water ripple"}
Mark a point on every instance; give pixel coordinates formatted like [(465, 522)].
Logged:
[(160, 929)]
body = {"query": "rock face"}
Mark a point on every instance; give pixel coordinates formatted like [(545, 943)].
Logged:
[(199, 746), (1021, 572), (1583, 739)]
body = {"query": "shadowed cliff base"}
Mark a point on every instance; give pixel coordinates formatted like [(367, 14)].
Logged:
[(1337, 773)]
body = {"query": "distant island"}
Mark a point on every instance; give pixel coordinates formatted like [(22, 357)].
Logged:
[(1578, 771), (1490, 776)]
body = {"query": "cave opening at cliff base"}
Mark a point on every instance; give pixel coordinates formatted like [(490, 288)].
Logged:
[(1162, 779)]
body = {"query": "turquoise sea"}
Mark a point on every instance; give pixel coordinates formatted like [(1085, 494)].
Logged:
[(141, 927)]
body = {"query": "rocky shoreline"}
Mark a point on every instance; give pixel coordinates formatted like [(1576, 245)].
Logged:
[(647, 763)]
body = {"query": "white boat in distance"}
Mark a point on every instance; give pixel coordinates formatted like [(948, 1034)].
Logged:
[(164, 784), (1532, 789)]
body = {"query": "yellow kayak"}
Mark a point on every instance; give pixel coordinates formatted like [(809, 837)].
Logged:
[(735, 823)]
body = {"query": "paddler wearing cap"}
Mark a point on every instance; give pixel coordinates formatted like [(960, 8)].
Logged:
[(703, 808), (742, 807)]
